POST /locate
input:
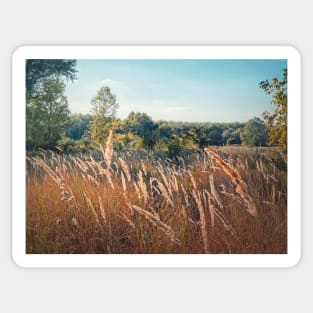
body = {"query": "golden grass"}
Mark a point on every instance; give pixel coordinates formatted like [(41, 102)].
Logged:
[(137, 203), (240, 185)]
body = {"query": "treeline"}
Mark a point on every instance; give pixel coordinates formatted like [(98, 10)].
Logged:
[(50, 125), (139, 131)]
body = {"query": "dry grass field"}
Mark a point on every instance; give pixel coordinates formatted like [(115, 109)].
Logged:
[(222, 200)]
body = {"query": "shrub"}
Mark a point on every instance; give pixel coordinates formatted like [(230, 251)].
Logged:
[(174, 147)]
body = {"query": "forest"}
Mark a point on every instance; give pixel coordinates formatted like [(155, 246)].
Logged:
[(97, 183)]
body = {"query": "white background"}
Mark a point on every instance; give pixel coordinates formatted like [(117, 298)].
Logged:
[(157, 22)]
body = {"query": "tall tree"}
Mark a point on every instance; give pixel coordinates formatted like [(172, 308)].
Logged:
[(199, 135), (142, 125), (254, 133), (47, 115), (104, 107), (276, 122), (38, 71)]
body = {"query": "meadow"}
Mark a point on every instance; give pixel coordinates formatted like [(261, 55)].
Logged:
[(218, 200)]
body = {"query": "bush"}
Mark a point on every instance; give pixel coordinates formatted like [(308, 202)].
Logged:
[(232, 141), (67, 144), (174, 148), (72, 145)]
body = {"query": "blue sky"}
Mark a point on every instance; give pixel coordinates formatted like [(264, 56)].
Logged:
[(181, 90)]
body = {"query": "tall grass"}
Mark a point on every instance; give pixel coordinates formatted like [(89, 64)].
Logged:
[(222, 200)]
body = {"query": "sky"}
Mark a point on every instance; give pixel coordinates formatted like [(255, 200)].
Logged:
[(178, 90)]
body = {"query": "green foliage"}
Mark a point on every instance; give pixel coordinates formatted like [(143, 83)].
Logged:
[(198, 136), (78, 125), (99, 128), (47, 112), (38, 71), (276, 122), (104, 103), (232, 141), (104, 106), (254, 133), (202, 136), (174, 147), (140, 124), (47, 115), (160, 134), (231, 136), (71, 145), (165, 132), (67, 144), (215, 136), (85, 144)]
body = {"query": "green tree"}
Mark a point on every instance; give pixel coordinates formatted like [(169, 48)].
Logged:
[(104, 106), (140, 124), (47, 116), (276, 122), (38, 71), (254, 133), (199, 135), (78, 125), (165, 132), (231, 136), (226, 135), (174, 147), (215, 135)]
